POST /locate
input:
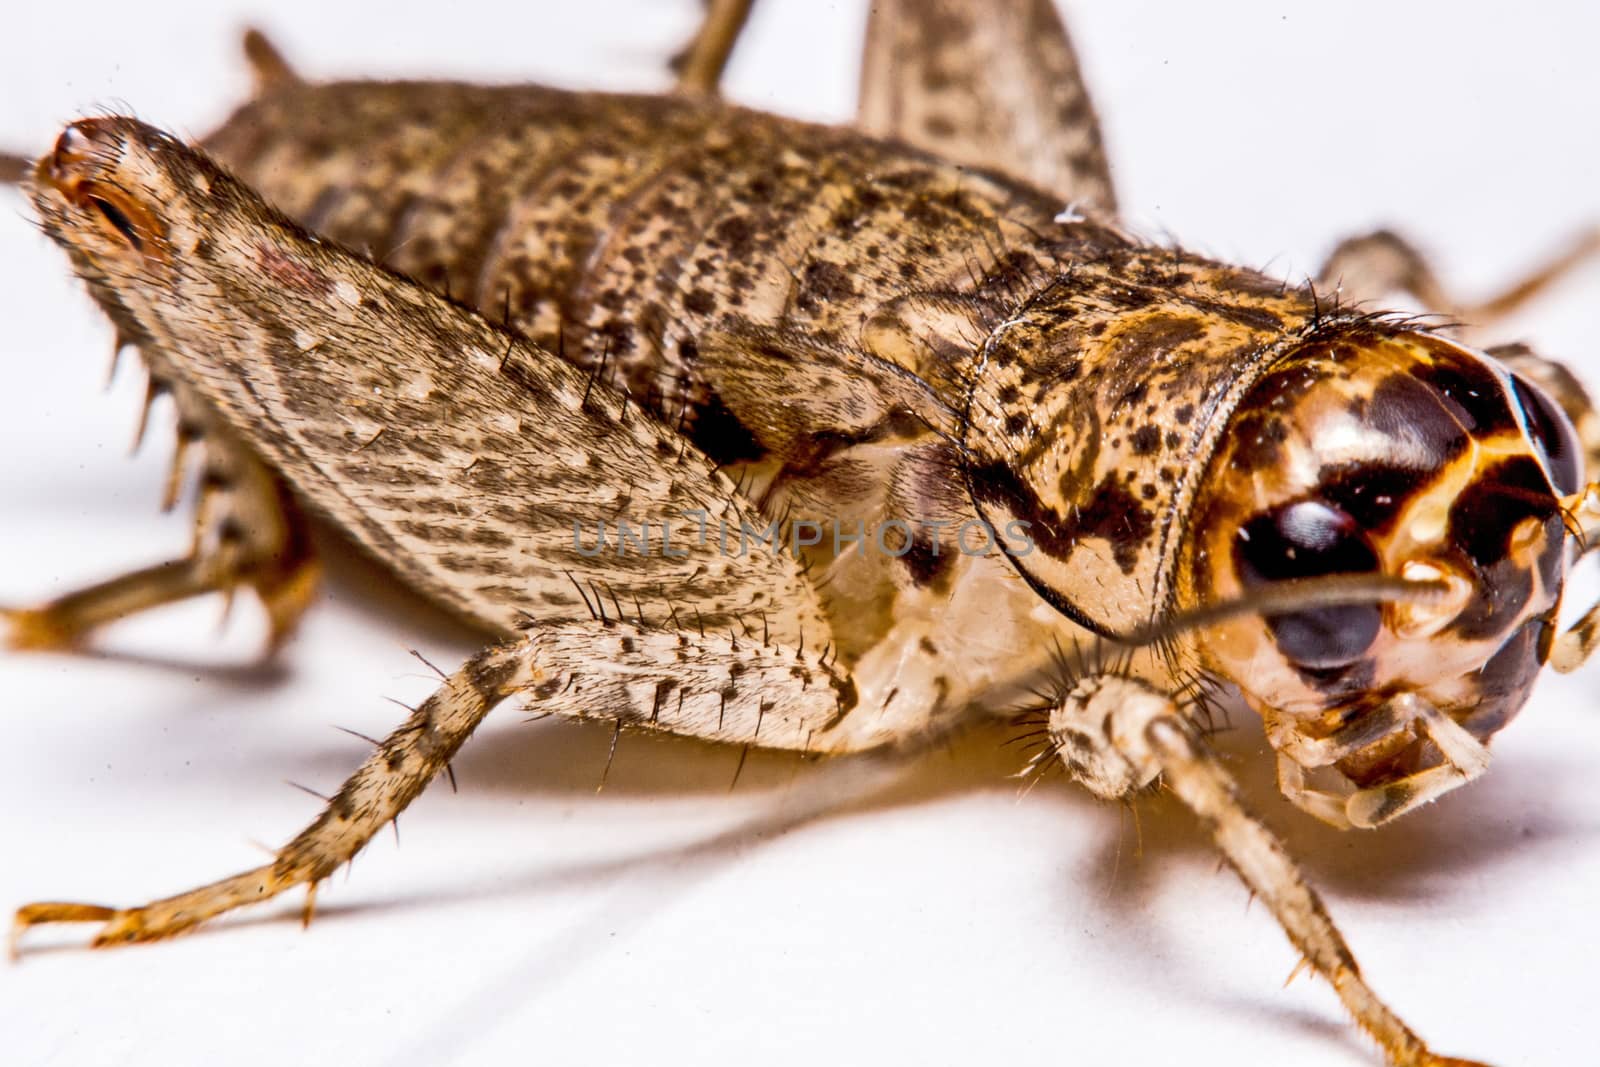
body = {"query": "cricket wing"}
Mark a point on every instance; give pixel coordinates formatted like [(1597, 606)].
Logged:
[(986, 83), (477, 465)]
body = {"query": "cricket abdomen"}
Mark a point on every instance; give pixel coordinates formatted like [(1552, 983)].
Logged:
[(622, 227)]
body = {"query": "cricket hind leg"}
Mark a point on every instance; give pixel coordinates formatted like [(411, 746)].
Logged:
[(700, 65), (987, 83), (248, 532), (718, 686), (1117, 736)]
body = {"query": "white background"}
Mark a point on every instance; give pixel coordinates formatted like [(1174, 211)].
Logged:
[(526, 919)]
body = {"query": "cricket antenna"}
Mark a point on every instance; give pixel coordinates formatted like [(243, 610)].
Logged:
[(13, 168), (1286, 597)]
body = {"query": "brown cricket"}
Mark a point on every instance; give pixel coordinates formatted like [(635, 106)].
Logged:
[(831, 440)]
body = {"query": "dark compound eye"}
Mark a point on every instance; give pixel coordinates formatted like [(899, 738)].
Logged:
[(1553, 434), (1310, 539)]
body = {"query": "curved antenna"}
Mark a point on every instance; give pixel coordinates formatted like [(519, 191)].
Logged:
[(13, 168), (1281, 598)]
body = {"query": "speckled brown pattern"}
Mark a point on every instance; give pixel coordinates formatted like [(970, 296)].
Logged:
[(493, 317), (630, 230)]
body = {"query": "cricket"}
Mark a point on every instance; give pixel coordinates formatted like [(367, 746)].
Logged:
[(835, 440)]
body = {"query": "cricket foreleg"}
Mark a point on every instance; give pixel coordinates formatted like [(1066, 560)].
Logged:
[(1380, 264), (1117, 735), (723, 687)]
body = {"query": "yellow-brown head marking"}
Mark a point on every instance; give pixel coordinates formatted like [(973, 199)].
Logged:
[(1374, 449)]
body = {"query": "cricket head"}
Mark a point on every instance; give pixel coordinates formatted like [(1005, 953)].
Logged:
[(1377, 452)]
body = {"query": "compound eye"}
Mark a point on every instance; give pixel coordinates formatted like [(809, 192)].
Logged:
[(1310, 539), (1552, 433)]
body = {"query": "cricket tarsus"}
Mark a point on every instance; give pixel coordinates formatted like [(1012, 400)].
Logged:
[(248, 533), (62, 623)]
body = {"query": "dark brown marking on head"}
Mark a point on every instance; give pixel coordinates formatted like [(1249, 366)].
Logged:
[(1373, 494), (1471, 392), (1552, 433), (1145, 440), (1481, 523), (1503, 684), (1258, 437), (1405, 409)]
